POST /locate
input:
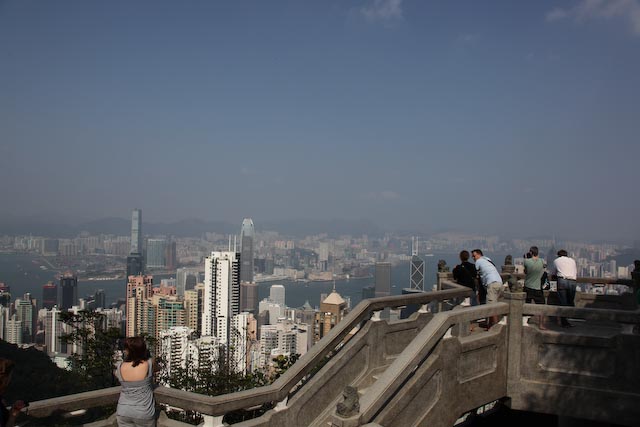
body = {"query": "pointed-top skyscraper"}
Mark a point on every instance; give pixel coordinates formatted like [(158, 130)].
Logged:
[(248, 289), (246, 250), (417, 267)]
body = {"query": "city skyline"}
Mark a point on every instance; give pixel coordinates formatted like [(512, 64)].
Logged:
[(491, 117)]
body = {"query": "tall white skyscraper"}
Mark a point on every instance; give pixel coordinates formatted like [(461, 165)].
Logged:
[(221, 294), (25, 312), (52, 331)]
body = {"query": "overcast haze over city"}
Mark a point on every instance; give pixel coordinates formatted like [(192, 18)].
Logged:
[(501, 116)]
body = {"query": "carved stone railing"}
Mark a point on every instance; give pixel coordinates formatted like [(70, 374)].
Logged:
[(279, 391), (443, 373), (589, 371), (430, 369)]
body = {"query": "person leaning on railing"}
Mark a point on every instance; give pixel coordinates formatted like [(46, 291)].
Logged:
[(136, 405), (534, 271), (466, 274), (565, 271), (490, 279)]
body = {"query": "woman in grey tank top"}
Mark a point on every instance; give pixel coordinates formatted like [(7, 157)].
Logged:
[(136, 406)]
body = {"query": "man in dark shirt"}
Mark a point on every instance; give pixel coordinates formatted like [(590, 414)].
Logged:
[(465, 274)]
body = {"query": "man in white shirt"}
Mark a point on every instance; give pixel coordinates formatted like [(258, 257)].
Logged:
[(565, 271)]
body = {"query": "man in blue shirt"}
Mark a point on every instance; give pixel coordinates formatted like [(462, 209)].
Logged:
[(490, 279)]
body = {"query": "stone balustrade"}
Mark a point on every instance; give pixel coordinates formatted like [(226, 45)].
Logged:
[(432, 369), (279, 391)]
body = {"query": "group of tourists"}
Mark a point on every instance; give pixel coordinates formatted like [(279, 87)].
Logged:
[(485, 280)]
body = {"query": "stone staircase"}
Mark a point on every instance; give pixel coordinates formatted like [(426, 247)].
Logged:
[(363, 384)]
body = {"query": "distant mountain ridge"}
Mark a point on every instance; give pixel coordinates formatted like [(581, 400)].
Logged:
[(184, 228)]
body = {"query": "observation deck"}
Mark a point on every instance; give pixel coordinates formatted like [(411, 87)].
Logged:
[(433, 370)]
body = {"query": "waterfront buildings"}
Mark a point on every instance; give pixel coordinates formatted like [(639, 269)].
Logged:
[(417, 267), (135, 265), (156, 251), (170, 256), (5, 295), (49, 295), (383, 279), (68, 290), (277, 294), (100, 299)]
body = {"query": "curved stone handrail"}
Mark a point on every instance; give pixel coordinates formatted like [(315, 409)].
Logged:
[(417, 352), (275, 392)]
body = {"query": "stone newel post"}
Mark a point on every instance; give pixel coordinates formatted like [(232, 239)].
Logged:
[(514, 336)]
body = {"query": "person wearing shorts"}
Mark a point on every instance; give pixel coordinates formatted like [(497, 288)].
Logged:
[(490, 279)]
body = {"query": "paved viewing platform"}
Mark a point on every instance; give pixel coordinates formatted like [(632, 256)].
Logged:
[(431, 369)]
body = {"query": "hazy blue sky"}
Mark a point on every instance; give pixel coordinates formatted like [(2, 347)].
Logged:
[(477, 115)]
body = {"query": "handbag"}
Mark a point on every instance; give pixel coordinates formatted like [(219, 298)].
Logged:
[(544, 282)]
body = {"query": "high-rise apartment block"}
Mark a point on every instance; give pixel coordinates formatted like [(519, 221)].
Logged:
[(169, 313), (13, 331), (221, 294), (140, 310), (53, 329), (193, 309), (26, 313)]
